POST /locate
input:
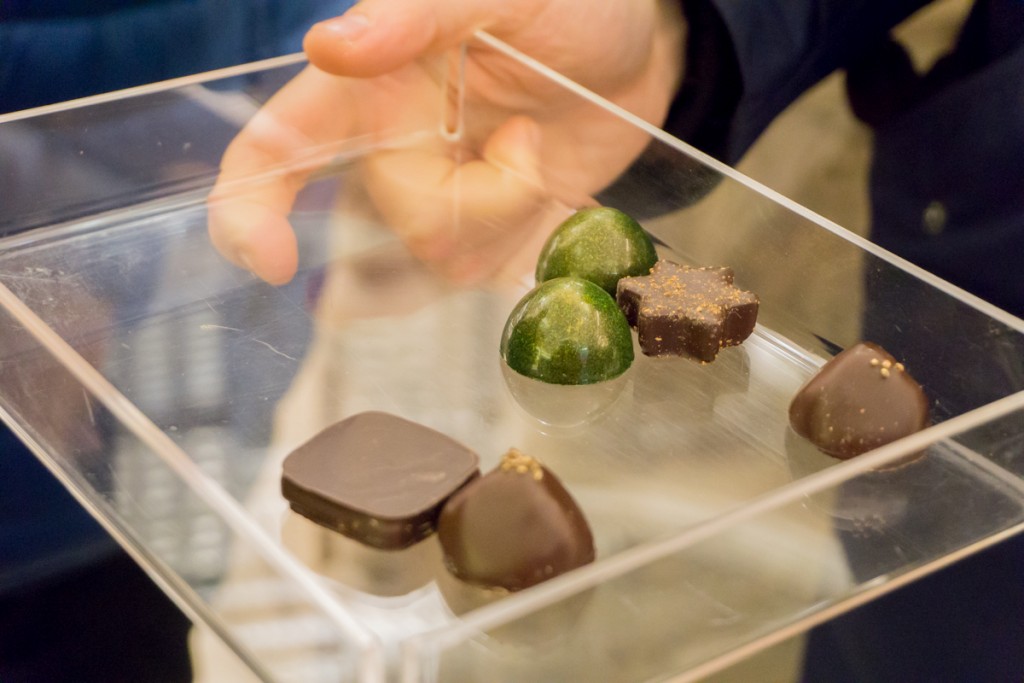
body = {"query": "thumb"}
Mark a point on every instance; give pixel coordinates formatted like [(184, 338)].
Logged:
[(378, 36)]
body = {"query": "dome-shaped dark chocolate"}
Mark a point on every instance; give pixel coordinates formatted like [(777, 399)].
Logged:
[(514, 527), (860, 400)]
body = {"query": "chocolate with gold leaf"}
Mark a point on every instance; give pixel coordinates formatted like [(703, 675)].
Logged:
[(860, 400), (514, 527), (682, 311)]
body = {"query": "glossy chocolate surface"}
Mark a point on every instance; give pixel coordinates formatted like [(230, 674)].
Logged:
[(514, 527), (377, 478), (683, 311), (599, 244), (860, 400), (567, 331)]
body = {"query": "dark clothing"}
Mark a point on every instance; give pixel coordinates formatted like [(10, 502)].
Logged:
[(947, 193), (947, 179), (59, 50), (43, 531), (62, 9), (104, 623), (73, 606), (963, 624)]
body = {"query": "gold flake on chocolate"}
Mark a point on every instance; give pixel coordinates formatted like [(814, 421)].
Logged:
[(514, 527), (860, 400), (521, 463), (678, 310), (885, 367)]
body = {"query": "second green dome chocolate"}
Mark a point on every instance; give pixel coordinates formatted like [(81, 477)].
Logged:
[(599, 244)]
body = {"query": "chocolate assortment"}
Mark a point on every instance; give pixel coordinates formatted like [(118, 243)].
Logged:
[(860, 400), (514, 527), (561, 333), (388, 483), (377, 478), (683, 311)]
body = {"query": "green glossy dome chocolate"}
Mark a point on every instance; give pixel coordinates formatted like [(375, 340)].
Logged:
[(567, 331), (600, 244)]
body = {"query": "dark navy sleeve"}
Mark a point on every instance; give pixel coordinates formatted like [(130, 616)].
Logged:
[(56, 50), (76, 53), (748, 59)]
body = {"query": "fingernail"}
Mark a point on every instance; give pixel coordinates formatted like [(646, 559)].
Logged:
[(348, 27)]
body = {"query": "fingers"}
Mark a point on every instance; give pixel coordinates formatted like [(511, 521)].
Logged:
[(266, 165), (256, 238), (462, 218), (377, 36)]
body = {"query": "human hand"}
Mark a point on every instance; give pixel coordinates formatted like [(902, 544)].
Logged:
[(528, 140)]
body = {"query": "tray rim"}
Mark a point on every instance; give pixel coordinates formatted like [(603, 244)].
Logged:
[(561, 587)]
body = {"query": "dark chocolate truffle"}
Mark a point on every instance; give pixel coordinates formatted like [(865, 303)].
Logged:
[(514, 527), (683, 311), (860, 400), (376, 478)]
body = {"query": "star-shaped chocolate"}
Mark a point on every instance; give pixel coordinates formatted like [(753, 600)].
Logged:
[(683, 311)]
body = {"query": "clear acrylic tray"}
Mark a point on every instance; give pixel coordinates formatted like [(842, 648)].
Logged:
[(164, 386)]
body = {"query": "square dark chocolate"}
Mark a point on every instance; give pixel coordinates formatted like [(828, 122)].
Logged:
[(377, 478)]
